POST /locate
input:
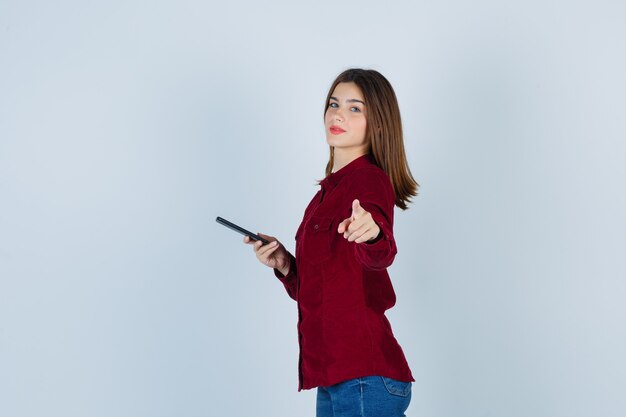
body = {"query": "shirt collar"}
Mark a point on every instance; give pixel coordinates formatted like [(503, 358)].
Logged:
[(333, 179)]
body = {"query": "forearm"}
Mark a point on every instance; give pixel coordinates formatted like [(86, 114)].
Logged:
[(285, 270)]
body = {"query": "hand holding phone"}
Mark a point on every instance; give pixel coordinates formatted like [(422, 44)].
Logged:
[(241, 230), (271, 254)]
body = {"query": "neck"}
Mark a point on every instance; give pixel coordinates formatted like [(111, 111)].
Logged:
[(343, 157)]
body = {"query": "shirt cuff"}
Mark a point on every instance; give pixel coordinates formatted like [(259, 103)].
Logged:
[(383, 235), (378, 254)]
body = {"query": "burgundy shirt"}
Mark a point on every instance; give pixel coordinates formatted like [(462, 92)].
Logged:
[(342, 288)]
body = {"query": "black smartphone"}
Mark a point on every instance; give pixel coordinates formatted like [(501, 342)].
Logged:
[(241, 230)]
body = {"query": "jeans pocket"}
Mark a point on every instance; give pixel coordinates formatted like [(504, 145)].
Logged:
[(395, 387)]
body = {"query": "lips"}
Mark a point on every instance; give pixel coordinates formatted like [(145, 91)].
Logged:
[(336, 130)]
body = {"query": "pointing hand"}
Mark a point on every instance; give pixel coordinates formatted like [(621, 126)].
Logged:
[(360, 226)]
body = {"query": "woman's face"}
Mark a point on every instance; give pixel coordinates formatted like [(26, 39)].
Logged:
[(345, 120)]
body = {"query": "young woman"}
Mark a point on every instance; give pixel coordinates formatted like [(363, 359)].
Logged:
[(344, 246)]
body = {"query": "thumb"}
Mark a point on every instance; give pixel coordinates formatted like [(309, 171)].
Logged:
[(266, 237)]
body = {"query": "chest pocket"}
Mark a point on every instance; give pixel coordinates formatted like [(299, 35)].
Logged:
[(317, 239)]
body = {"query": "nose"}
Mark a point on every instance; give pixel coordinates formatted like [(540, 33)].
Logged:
[(338, 115)]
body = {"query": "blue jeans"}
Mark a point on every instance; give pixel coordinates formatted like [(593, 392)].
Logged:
[(371, 396)]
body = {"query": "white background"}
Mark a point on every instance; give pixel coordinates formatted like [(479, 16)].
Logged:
[(126, 127)]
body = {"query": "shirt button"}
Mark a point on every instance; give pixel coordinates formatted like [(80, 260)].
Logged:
[(317, 226)]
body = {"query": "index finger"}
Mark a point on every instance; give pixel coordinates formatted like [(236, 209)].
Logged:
[(357, 209)]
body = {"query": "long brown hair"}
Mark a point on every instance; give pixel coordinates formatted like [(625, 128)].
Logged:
[(383, 130)]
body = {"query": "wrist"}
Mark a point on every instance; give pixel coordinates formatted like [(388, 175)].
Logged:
[(285, 269)]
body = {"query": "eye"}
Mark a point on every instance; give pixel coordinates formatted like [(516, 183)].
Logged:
[(333, 105), (355, 109)]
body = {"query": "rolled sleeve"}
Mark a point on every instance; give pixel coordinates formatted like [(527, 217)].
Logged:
[(376, 196)]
